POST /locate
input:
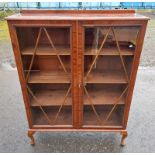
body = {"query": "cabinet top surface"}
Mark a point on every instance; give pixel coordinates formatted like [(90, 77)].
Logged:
[(77, 15)]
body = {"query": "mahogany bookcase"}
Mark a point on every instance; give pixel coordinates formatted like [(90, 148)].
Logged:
[(77, 69)]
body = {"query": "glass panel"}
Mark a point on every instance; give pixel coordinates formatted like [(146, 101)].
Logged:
[(46, 56), (108, 57), (60, 38), (126, 37)]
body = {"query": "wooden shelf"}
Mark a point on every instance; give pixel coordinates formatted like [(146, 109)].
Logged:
[(47, 50), (49, 77), (125, 51), (89, 118), (64, 118), (55, 97), (51, 98), (104, 97), (111, 76)]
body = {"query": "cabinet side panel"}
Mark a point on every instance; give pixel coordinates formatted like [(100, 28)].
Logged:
[(18, 60), (134, 72)]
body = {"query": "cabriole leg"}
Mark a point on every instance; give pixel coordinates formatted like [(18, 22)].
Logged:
[(30, 135), (124, 135)]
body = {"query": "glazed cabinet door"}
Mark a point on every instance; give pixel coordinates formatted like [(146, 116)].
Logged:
[(108, 54), (46, 55)]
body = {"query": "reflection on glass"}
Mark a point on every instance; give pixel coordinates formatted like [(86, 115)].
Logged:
[(126, 37)]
